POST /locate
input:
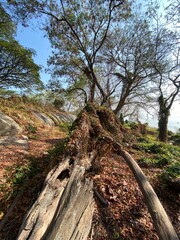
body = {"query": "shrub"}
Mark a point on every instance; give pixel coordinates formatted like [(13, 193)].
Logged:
[(159, 160), (65, 126), (157, 147), (163, 159), (143, 140), (32, 129), (175, 139), (21, 173), (129, 124), (146, 162), (172, 171), (58, 149)]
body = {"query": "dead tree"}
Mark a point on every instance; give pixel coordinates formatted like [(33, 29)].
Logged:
[(64, 208)]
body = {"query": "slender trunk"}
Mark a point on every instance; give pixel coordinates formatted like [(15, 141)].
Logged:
[(163, 119), (162, 125), (120, 105), (95, 81), (124, 94), (108, 93), (92, 92)]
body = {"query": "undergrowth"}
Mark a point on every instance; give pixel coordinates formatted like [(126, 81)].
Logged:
[(158, 154), (19, 174), (175, 139), (172, 171), (65, 127)]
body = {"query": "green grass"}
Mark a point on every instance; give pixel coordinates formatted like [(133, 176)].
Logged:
[(158, 154)]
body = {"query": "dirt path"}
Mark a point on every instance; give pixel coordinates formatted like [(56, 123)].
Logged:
[(38, 145), (14, 160)]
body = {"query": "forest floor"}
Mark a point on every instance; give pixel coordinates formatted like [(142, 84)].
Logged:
[(120, 214), (22, 173), (124, 214)]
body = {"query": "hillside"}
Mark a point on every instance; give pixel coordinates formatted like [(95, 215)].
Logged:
[(120, 211), (26, 157)]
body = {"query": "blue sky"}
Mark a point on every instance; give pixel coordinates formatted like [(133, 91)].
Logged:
[(33, 38)]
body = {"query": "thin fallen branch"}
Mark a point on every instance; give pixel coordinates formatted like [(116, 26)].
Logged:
[(160, 218)]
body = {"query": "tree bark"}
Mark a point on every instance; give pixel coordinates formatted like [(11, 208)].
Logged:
[(119, 105), (162, 126), (64, 208), (163, 120), (160, 218), (92, 92), (121, 102)]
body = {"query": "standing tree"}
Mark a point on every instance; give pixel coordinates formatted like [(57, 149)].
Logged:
[(17, 68), (131, 53), (169, 88), (166, 64), (77, 31)]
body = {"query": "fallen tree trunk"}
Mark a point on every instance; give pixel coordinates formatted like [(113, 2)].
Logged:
[(64, 208), (162, 223), (160, 218)]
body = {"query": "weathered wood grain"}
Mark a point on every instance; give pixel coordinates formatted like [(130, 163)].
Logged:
[(64, 208), (160, 218)]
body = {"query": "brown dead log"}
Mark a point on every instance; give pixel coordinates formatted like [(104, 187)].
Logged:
[(160, 218), (64, 208)]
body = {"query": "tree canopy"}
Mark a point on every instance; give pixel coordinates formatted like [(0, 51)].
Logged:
[(17, 67), (114, 52)]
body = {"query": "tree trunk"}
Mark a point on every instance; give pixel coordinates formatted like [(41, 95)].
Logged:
[(163, 120), (119, 105), (160, 218), (64, 208), (162, 126), (92, 92)]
